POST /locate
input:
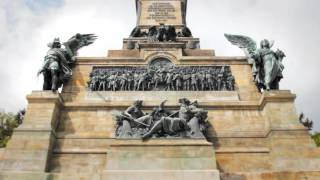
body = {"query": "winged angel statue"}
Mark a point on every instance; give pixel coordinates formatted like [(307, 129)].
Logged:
[(266, 64), (57, 66)]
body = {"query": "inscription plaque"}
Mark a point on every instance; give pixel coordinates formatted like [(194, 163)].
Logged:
[(156, 12)]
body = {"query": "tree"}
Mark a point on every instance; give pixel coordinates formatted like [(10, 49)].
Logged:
[(8, 122), (316, 138)]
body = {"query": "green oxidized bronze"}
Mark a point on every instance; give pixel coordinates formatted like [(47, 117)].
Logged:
[(266, 64), (57, 66)]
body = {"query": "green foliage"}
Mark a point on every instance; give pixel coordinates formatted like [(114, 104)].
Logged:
[(316, 138), (8, 122)]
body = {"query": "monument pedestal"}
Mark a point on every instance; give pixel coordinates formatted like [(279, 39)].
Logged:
[(70, 136), (156, 159)]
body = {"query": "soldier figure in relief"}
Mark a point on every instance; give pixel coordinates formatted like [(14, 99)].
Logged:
[(202, 80), (102, 82), (186, 80), (136, 76), (123, 81), (169, 81), (178, 79), (130, 81), (194, 81), (210, 83)]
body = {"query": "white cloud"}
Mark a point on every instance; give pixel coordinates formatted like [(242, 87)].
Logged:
[(293, 24)]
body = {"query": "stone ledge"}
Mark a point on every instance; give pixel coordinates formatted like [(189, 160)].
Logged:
[(45, 97), (224, 150), (135, 53), (79, 151), (274, 175), (217, 60), (277, 96), (33, 129), (232, 150), (221, 134), (272, 96), (185, 60), (110, 61), (198, 52), (172, 96), (179, 39), (160, 142), (166, 45), (161, 174), (243, 105), (22, 175)]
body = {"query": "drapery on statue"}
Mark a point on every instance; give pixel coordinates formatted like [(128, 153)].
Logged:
[(57, 66), (266, 64), (189, 122)]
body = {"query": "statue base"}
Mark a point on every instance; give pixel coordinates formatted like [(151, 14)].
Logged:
[(161, 159)]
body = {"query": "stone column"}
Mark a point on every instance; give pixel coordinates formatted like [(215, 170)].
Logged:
[(30, 147)]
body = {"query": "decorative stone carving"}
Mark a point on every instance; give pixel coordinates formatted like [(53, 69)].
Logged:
[(189, 122), (162, 75)]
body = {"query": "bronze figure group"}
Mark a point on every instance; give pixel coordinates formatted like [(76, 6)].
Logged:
[(161, 33), (189, 121), (214, 78)]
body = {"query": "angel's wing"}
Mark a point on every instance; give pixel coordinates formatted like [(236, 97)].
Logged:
[(78, 41), (136, 32), (244, 42)]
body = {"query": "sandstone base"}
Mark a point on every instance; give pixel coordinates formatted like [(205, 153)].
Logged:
[(160, 175), (161, 159)]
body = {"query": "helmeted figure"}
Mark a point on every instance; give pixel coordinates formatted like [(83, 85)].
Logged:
[(169, 81), (179, 81), (194, 81), (57, 66), (266, 64)]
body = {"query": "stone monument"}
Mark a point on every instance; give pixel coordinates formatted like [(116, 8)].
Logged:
[(162, 108)]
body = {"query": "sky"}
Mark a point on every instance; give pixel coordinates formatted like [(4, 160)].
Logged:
[(26, 26)]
